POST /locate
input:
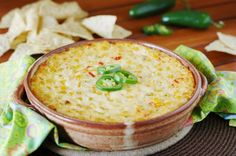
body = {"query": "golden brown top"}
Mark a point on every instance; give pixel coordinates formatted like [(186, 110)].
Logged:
[(66, 83)]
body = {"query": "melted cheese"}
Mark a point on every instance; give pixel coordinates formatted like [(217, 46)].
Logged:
[(64, 83)]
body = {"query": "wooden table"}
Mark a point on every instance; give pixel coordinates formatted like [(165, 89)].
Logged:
[(219, 10)]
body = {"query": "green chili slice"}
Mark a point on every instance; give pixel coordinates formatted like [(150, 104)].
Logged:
[(108, 69), (124, 76), (108, 83), (157, 29)]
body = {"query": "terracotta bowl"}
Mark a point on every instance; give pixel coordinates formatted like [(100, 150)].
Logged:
[(120, 136)]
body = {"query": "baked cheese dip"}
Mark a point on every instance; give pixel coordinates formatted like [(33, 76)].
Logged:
[(66, 83)]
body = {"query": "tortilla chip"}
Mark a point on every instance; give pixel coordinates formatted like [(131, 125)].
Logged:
[(120, 32), (50, 40), (27, 7), (7, 18), (228, 40), (18, 40), (49, 22), (17, 27), (32, 19), (220, 47), (102, 25), (36, 5), (72, 28), (4, 44), (61, 11), (35, 29), (42, 43), (27, 49), (75, 10), (32, 35)]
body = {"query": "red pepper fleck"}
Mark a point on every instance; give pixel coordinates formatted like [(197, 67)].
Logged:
[(117, 57), (101, 63), (88, 67), (91, 74)]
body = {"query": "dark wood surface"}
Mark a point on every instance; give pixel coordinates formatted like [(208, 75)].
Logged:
[(219, 10)]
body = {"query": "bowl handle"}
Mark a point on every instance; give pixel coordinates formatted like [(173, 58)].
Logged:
[(18, 95), (203, 90), (204, 84)]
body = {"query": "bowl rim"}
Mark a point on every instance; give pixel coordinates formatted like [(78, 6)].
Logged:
[(46, 110)]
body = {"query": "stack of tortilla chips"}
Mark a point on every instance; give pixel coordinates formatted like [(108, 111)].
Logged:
[(45, 25)]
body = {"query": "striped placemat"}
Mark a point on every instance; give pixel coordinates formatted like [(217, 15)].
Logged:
[(211, 137)]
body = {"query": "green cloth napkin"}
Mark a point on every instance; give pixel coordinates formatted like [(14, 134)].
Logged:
[(22, 130), (11, 75), (220, 96)]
